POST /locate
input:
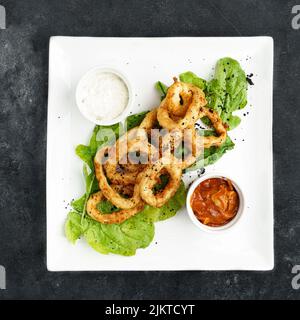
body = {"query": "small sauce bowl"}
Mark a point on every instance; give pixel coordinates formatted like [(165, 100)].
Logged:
[(81, 93), (208, 228)]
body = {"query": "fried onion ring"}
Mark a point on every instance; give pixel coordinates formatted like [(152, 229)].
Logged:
[(150, 176), (114, 217), (186, 145), (117, 167), (191, 115), (180, 98), (124, 190), (192, 146), (118, 174), (213, 116), (149, 121), (109, 193), (129, 170)]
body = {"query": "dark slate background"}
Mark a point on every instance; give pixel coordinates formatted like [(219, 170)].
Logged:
[(23, 109)]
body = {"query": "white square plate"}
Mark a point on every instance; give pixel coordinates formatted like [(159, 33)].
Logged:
[(178, 244)]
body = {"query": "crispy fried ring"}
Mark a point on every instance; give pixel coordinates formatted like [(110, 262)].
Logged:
[(170, 141), (149, 121), (193, 143), (126, 173), (119, 175), (187, 140), (213, 116), (192, 113), (132, 167), (180, 98), (115, 217), (124, 190), (150, 176), (150, 125), (134, 133), (109, 193)]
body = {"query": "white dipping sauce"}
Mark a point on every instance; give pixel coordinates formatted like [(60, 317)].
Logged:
[(103, 95)]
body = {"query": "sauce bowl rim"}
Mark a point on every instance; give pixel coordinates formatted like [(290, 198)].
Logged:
[(124, 78), (228, 226)]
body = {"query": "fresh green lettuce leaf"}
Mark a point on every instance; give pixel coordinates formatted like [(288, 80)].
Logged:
[(215, 95), (91, 186), (174, 204), (105, 206), (101, 136), (162, 89), (73, 228), (228, 91), (85, 154), (78, 204), (124, 239), (169, 209), (233, 78), (104, 135), (190, 77), (90, 180), (127, 237), (135, 120), (211, 155), (232, 121)]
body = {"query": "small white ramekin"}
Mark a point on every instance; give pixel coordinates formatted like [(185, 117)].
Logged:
[(198, 223), (127, 109)]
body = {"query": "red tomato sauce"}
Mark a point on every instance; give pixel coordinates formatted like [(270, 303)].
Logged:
[(215, 202)]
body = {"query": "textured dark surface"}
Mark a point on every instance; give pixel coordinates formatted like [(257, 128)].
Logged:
[(23, 108)]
